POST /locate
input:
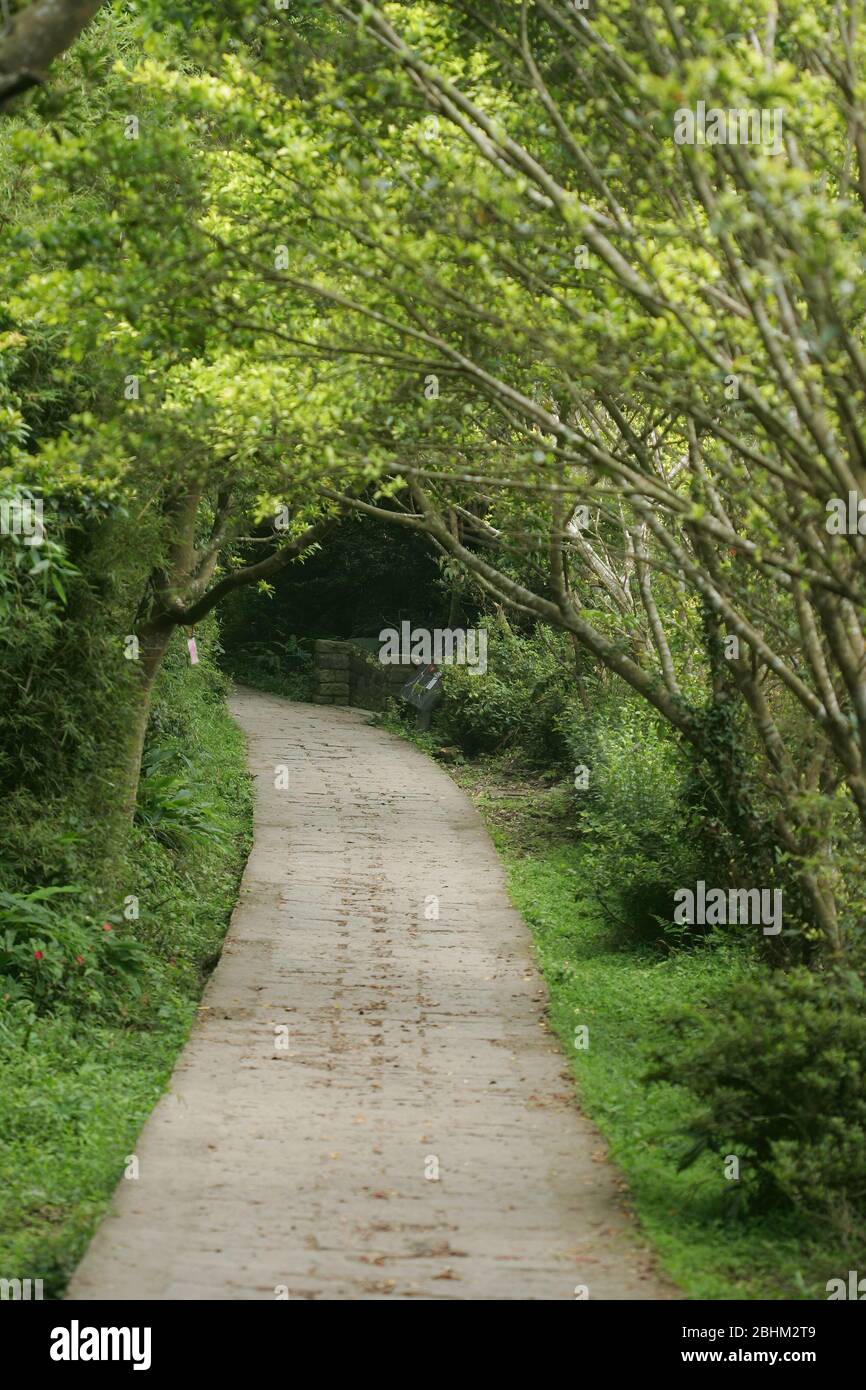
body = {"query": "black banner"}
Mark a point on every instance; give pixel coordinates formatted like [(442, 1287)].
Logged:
[(83, 1339)]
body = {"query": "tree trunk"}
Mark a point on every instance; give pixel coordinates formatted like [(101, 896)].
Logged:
[(579, 652), (35, 37), (154, 640)]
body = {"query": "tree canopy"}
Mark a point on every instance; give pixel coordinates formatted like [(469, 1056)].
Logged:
[(454, 267)]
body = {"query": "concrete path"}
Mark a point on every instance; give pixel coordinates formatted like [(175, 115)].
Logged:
[(370, 1104)]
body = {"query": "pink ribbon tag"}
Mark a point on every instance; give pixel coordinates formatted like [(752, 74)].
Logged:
[(193, 650)]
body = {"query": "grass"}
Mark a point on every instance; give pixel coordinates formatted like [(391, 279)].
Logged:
[(622, 996), (77, 1089)]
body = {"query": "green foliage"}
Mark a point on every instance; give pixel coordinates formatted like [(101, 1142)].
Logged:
[(775, 1069), (53, 955), (87, 1050), (516, 703), (171, 807), (73, 1100), (369, 576), (642, 835), (626, 999), (406, 255), (282, 668), (642, 841)]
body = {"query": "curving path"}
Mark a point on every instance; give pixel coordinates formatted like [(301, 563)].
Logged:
[(349, 1046)]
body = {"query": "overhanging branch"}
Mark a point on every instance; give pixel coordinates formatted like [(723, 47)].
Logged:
[(35, 38)]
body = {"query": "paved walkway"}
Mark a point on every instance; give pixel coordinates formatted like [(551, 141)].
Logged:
[(350, 1047)]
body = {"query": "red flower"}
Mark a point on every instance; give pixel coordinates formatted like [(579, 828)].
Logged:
[(79, 960), (37, 955), (106, 926)]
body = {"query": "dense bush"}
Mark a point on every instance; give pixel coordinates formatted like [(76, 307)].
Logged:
[(642, 834), (88, 1049), (52, 953), (650, 815), (777, 1071), (171, 806), (516, 703), (283, 667), (66, 946), (642, 840)]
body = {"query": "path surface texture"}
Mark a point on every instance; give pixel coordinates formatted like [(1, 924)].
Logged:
[(370, 1104)]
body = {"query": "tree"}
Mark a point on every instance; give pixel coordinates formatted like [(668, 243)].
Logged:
[(34, 37), (661, 336), (579, 349), (166, 425)]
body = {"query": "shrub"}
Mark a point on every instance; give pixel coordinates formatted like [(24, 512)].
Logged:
[(777, 1068), (281, 667), (641, 838), (170, 806), (51, 953), (515, 703), (642, 829)]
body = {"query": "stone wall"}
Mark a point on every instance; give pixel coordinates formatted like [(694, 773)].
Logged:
[(346, 674)]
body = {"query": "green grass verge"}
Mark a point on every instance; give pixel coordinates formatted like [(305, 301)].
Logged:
[(75, 1091), (622, 995)]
